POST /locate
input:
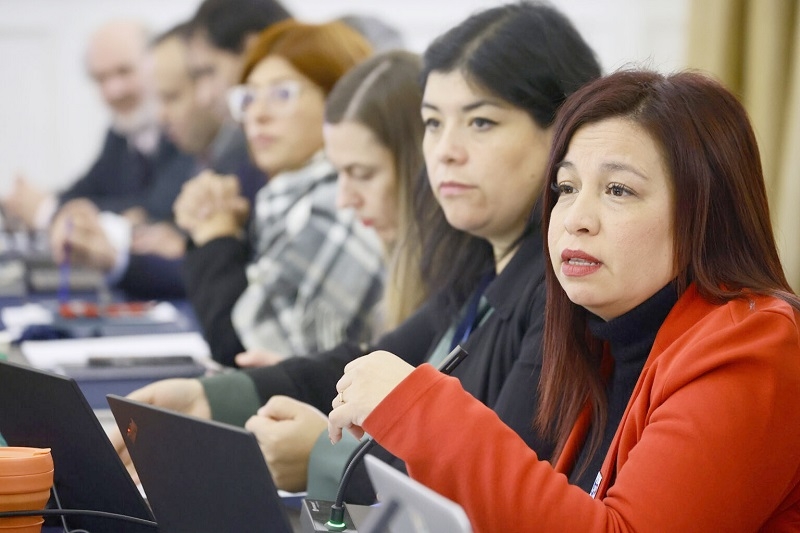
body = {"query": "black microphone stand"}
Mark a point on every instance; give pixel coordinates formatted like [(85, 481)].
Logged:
[(337, 521)]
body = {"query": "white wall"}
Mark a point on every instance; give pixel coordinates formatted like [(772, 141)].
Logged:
[(52, 122), (51, 119), (619, 30)]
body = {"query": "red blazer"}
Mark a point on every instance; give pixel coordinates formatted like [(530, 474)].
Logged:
[(710, 440)]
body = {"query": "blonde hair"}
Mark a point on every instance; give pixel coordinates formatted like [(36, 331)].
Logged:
[(384, 95)]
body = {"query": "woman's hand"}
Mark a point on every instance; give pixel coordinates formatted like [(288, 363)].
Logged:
[(287, 430), (211, 206), (365, 383)]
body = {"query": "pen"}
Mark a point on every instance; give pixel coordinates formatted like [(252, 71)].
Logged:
[(64, 267), (452, 360)]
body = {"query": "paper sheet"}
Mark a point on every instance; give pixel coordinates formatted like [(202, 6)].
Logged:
[(52, 353)]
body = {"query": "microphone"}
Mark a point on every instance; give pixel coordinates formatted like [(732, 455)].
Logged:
[(337, 522)]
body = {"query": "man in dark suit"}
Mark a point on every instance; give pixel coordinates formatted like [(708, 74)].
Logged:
[(138, 171), (149, 263), (132, 184)]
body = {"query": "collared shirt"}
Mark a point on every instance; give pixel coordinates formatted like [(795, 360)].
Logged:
[(316, 273)]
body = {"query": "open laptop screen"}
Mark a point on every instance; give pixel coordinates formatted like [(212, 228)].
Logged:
[(45, 410), (199, 475)]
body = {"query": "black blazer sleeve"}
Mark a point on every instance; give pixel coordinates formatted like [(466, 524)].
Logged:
[(122, 178), (312, 379), (103, 179), (153, 277), (215, 278), (170, 169)]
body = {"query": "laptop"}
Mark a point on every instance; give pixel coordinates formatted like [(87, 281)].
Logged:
[(199, 475), (408, 506), (44, 410)]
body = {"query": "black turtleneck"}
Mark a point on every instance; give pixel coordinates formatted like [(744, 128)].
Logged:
[(631, 338)]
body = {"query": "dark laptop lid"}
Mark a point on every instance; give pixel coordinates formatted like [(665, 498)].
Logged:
[(45, 410), (199, 475)]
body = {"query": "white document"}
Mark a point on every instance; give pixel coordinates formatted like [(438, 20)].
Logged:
[(53, 353), (17, 317)]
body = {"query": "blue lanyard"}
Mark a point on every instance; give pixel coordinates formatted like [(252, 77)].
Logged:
[(471, 319)]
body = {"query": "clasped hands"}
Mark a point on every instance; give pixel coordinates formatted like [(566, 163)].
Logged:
[(211, 206), (287, 429)]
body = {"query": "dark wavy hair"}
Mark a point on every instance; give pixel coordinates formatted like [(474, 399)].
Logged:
[(227, 23), (529, 55), (723, 237)]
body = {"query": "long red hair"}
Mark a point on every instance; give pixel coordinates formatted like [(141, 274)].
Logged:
[(723, 237)]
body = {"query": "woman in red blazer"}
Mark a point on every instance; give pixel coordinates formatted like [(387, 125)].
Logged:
[(671, 374)]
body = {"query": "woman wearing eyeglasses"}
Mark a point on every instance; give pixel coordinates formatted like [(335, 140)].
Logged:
[(306, 276)]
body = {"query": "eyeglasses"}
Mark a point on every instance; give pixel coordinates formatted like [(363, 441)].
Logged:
[(279, 97)]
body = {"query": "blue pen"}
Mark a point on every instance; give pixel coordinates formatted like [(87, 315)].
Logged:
[(63, 268)]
